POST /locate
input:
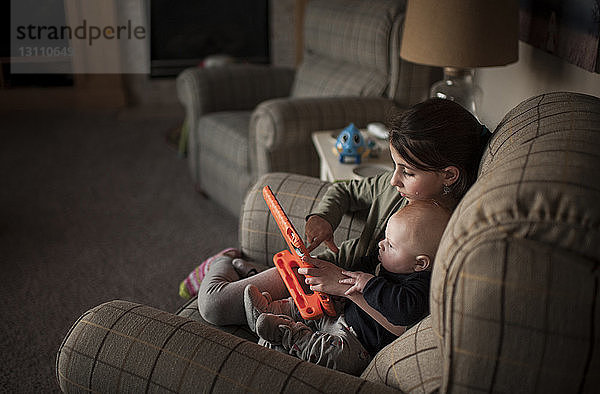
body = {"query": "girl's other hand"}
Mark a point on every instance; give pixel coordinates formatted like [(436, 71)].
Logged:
[(357, 279), (317, 231), (323, 276)]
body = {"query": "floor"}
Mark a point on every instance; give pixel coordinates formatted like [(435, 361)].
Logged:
[(94, 206)]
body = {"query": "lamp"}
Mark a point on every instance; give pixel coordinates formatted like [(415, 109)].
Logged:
[(459, 35)]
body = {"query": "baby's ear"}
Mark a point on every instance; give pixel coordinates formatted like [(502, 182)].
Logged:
[(422, 263)]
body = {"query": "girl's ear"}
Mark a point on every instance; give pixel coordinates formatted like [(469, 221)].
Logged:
[(422, 262), (451, 174)]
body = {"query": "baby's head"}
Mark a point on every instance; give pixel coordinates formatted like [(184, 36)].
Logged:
[(412, 237)]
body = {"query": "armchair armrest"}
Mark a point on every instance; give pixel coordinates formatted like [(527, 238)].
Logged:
[(122, 346), (259, 235), (280, 129), (234, 87)]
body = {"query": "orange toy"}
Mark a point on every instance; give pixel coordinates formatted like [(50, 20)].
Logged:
[(310, 304)]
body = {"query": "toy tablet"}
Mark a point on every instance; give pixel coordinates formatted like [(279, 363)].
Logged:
[(310, 304)]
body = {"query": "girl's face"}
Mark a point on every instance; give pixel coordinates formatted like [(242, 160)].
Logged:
[(415, 184)]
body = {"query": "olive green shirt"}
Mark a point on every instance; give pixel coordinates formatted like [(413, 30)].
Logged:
[(374, 194)]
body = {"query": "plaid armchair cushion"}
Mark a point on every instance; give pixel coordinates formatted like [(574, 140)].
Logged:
[(323, 77), (412, 363), (348, 48), (123, 346)]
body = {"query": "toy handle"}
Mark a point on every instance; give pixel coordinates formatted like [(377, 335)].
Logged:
[(290, 235), (307, 301), (326, 303)]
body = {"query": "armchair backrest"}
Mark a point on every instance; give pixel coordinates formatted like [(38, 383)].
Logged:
[(259, 235), (350, 48), (514, 294)]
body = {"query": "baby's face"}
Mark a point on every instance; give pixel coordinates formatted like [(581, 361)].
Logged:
[(394, 252)]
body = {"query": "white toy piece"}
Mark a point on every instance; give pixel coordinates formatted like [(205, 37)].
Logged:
[(378, 130)]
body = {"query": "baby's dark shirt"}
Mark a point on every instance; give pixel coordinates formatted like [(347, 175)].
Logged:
[(403, 299)]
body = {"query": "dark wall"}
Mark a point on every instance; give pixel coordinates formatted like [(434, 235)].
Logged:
[(184, 32)]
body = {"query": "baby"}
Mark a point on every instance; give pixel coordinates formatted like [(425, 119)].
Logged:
[(374, 309)]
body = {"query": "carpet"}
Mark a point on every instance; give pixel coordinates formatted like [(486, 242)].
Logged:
[(94, 206)]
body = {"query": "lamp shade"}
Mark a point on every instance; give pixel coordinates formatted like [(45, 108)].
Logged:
[(461, 33)]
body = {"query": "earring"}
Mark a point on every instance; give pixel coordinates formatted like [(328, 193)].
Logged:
[(446, 190)]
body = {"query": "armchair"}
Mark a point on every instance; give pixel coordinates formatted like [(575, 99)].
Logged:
[(243, 121), (514, 296)]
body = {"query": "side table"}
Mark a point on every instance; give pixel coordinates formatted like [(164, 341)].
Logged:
[(334, 171)]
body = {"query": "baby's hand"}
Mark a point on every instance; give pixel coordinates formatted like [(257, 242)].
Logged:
[(357, 279)]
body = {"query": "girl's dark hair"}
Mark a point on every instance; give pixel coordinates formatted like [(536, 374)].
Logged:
[(438, 133)]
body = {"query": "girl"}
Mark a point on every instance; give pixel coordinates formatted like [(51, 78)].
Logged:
[(436, 147)]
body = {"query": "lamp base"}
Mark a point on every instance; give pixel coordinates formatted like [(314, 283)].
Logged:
[(458, 86)]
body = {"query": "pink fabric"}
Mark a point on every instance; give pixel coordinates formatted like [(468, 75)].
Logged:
[(193, 280)]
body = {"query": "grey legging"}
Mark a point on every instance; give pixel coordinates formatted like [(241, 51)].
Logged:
[(221, 293)]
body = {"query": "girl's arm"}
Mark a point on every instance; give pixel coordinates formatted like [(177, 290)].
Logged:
[(359, 280), (359, 300), (401, 304), (350, 196), (329, 278)]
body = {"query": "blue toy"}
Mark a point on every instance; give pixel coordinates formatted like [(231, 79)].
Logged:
[(350, 143)]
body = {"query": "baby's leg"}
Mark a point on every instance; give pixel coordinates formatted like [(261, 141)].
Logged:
[(257, 303), (331, 345), (221, 293), (335, 346)]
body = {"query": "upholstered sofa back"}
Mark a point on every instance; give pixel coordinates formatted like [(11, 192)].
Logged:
[(515, 298)]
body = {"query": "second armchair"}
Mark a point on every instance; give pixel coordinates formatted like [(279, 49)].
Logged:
[(247, 120)]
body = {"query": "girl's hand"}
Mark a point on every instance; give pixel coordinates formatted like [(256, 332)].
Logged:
[(357, 279), (324, 276), (318, 230)]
